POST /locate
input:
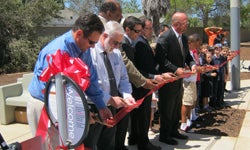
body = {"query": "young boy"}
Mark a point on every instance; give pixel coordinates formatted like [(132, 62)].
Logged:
[(190, 90)]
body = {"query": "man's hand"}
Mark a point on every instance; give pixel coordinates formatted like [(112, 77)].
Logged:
[(91, 118), (180, 71), (159, 78), (105, 114), (150, 84), (117, 102), (168, 75), (129, 101), (201, 69)]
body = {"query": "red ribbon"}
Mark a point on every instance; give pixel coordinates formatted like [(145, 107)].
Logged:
[(76, 69), (214, 67), (61, 62), (43, 125), (124, 111)]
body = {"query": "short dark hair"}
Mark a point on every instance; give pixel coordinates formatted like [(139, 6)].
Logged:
[(162, 27), (130, 22), (108, 6), (194, 37), (144, 19), (88, 23)]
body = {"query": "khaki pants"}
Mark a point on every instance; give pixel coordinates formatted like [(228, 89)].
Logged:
[(34, 109)]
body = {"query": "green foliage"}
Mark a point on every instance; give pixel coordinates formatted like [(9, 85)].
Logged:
[(80, 6), (245, 15), (83, 6), (130, 6), (203, 13), (23, 54), (19, 20)]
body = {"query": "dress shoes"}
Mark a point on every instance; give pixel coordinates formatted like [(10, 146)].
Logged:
[(180, 136), (169, 141), (149, 146)]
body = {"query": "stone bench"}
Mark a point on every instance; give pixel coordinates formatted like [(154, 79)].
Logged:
[(12, 96)]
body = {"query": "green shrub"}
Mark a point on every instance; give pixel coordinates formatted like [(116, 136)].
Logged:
[(23, 54)]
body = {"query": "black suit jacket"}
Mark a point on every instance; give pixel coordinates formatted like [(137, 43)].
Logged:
[(128, 48), (144, 58), (168, 52), (127, 52), (144, 62)]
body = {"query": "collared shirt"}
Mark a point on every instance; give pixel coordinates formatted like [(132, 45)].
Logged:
[(66, 43), (119, 69), (192, 78), (104, 20), (129, 39), (177, 34)]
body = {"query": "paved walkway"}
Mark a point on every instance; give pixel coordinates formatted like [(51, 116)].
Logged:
[(239, 99)]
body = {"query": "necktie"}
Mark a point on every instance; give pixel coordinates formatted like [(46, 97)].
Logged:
[(112, 82), (181, 45)]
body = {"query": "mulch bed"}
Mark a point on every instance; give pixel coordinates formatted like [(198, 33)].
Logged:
[(224, 122)]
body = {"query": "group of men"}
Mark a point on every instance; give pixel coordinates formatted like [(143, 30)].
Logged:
[(123, 69)]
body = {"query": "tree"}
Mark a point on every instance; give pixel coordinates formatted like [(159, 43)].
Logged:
[(20, 19), (83, 6), (155, 9), (130, 6), (80, 6), (245, 15)]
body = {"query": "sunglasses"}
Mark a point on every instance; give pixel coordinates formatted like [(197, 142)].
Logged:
[(136, 31), (91, 42)]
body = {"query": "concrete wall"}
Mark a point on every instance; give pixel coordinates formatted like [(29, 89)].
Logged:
[(45, 31)]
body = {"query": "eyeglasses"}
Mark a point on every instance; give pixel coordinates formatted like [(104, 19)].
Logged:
[(91, 42), (136, 31), (116, 43)]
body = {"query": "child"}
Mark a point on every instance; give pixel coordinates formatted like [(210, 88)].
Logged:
[(218, 59), (207, 83), (189, 84), (224, 53)]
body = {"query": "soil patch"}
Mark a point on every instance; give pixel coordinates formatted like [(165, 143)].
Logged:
[(224, 122)]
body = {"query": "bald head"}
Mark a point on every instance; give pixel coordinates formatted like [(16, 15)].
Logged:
[(180, 22), (178, 17), (111, 10)]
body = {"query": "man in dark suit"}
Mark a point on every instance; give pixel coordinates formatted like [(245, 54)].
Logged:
[(144, 62), (132, 27), (171, 54)]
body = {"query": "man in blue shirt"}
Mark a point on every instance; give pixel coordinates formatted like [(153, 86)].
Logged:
[(76, 42)]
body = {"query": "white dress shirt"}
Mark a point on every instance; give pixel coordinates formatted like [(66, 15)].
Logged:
[(119, 69)]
